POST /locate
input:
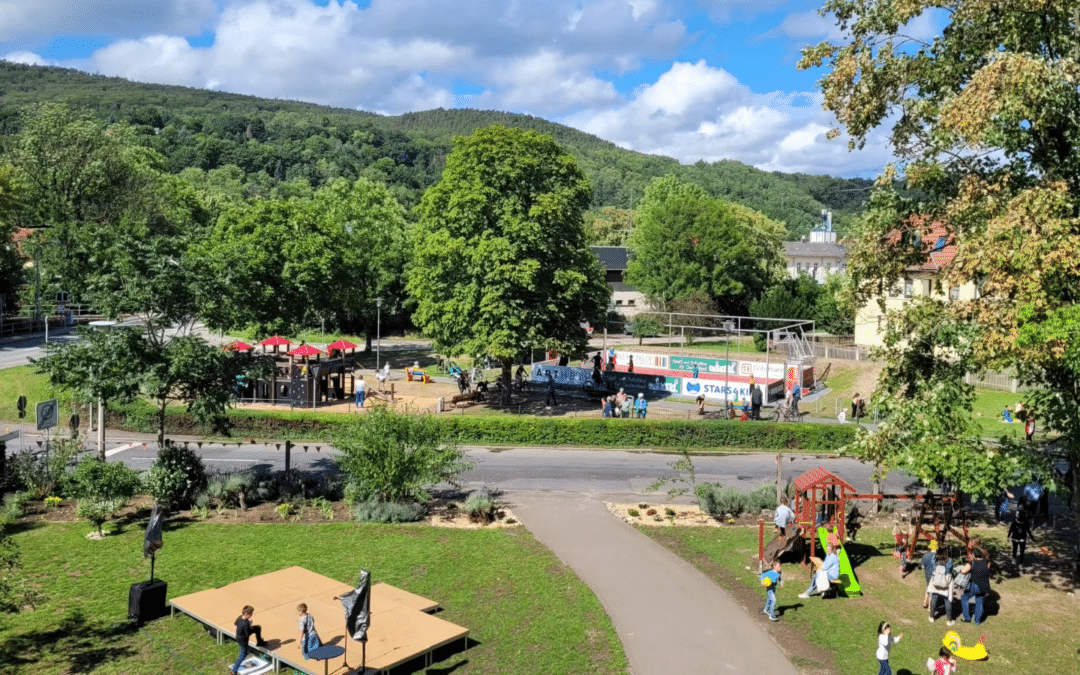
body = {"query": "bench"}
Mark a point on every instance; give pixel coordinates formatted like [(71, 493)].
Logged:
[(420, 375)]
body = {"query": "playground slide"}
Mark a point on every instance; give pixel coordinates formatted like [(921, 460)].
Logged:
[(847, 574)]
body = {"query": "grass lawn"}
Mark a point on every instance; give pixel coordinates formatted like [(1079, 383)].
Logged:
[(1029, 622), (23, 381), (490, 581)]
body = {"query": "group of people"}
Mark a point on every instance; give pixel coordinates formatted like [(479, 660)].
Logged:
[(1020, 414), (624, 405)]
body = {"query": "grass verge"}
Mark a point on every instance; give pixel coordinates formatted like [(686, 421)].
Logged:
[(1027, 616), (486, 580)]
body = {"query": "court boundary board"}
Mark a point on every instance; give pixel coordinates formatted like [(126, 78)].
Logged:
[(402, 627)]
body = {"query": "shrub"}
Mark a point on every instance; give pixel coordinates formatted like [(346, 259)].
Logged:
[(633, 513), (52, 502), (670, 512), (480, 507), (97, 510), (176, 476), (764, 497), (374, 511), (95, 478), (41, 473), (717, 500), (397, 458), (651, 512), (284, 510), (15, 505)]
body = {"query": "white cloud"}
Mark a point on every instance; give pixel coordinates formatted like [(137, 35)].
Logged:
[(22, 19), (26, 58), (697, 112)]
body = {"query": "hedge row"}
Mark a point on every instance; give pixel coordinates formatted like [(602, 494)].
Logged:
[(516, 430)]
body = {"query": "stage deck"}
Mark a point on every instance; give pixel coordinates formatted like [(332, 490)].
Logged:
[(401, 628)]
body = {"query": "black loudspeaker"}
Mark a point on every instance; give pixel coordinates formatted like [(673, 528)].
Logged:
[(146, 601)]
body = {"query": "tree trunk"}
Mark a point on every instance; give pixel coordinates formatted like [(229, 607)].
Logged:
[(877, 490), (508, 383), (367, 340), (161, 422), (1076, 505)]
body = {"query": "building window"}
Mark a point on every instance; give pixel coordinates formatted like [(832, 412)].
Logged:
[(618, 302), (928, 286), (954, 293), (909, 287), (630, 303)]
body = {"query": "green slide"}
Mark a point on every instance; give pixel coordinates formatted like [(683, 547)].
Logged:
[(847, 575)]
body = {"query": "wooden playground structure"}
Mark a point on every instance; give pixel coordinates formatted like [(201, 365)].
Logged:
[(820, 505)]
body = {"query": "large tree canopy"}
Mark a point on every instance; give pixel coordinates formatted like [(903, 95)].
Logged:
[(277, 266), (985, 120), (685, 241), (501, 261)]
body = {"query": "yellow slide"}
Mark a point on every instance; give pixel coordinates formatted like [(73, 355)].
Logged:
[(976, 653)]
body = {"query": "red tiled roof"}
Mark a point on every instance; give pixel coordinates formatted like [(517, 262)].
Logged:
[(929, 233), (819, 476)]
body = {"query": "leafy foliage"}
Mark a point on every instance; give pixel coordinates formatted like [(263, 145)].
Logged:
[(375, 511), (97, 510), (93, 478), (40, 474), (500, 262), (686, 241), (985, 120), (176, 476), (397, 458)]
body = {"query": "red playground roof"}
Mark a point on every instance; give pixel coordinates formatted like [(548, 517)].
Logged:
[(819, 476)]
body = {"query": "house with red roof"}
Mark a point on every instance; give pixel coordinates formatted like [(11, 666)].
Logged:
[(925, 279)]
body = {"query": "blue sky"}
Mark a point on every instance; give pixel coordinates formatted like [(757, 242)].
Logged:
[(692, 79)]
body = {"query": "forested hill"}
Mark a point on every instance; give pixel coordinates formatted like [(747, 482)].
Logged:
[(260, 146)]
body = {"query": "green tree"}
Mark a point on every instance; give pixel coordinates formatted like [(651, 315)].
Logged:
[(277, 266), (985, 119), (11, 264), (501, 262), (684, 241), (790, 299), (397, 458)]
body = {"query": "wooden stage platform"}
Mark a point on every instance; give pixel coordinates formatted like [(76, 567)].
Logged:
[(402, 627)]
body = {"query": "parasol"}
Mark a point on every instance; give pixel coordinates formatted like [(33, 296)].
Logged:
[(275, 342), (238, 346)]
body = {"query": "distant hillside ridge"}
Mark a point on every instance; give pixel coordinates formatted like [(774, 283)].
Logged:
[(276, 143)]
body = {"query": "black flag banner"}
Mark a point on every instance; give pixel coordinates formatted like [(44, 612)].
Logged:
[(357, 604), (153, 539)]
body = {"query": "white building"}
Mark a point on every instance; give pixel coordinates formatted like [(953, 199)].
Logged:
[(625, 299), (817, 258)]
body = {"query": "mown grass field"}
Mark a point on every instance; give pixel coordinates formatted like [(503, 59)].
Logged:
[(490, 581), (1029, 629)]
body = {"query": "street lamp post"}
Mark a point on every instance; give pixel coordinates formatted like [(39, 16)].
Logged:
[(378, 330), (101, 325)]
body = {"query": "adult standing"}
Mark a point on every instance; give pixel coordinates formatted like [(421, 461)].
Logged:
[(551, 391), (784, 517), (630, 364), (597, 361), (979, 569), (1029, 428), (642, 406), (855, 406), (361, 392), (755, 403)]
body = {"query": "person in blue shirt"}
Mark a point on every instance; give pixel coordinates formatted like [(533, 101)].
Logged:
[(642, 406), (775, 580), (829, 571)]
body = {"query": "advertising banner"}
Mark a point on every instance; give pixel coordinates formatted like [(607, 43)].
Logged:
[(735, 392), (581, 378)]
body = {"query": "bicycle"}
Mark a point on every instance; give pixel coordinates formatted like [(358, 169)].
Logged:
[(787, 412)]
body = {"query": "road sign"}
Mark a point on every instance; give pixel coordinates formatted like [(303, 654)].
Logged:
[(48, 414)]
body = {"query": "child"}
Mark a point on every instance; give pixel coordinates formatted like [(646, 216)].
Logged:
[(775, 580), (309, 639), (945, 663), (244, 631), (1019, 531), (885, 641)]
